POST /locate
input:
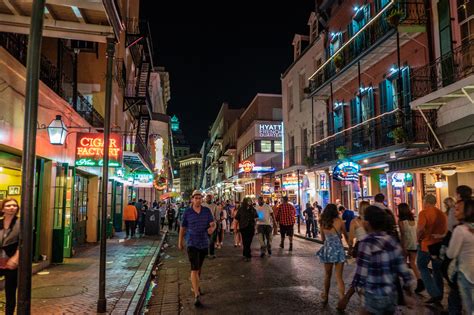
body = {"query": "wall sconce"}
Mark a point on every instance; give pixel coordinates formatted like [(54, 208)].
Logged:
[(448, 171)]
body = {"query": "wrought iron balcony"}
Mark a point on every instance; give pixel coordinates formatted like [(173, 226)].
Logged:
[(138, 39), (16, 45), (376, 31), (135, 144), (377, 134), (445, 70)]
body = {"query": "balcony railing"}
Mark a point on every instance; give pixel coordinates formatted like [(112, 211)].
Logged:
[(16, 45), (373, 33), (377, 134), (444, 71), (134, 143)]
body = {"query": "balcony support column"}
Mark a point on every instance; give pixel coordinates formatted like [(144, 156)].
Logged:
[(102, 301), (401, 105), (33, 59), (75, 56)]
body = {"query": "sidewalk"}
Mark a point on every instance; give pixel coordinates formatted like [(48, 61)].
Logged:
[(73, 287)]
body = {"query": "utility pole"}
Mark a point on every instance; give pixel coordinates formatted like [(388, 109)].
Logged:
[(29, 157), (102, 302)]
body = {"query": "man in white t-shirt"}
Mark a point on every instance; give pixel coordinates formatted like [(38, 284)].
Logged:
[(264, 226)]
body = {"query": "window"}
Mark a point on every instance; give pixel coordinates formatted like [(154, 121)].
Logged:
[(290, 97), (302, 86), (266, 146), (317, 63), (304, 138), (278, 146)]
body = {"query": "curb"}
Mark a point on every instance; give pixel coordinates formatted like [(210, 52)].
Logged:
[(139, 297)]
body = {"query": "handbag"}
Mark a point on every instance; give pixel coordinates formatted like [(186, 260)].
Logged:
[(434, 249)]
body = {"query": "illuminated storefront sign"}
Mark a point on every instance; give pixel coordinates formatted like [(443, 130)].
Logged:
[(401, 179), (249, 167), (90, 150), (323, 181), (346, 171), (291, 183), (268, 130)]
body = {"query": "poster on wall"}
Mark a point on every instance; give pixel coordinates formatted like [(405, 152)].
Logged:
[(90, 150)]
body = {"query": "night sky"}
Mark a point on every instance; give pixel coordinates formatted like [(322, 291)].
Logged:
[(229, 56)]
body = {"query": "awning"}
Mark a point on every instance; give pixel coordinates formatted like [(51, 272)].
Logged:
[(448, 157), (135, 162)]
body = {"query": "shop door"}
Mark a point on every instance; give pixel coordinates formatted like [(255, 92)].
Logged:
[(79, 211), (59, 212), (38, 199), (118, 206)]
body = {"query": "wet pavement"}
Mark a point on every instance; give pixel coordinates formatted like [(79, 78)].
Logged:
[(285, 283)]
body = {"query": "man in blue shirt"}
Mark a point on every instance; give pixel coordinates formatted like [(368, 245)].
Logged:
[(347, 216), (197, 224)]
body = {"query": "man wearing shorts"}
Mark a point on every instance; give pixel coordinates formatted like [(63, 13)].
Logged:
[(197, 224), (286, 218)]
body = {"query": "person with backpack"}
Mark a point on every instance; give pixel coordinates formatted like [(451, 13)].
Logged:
[(245, 218)]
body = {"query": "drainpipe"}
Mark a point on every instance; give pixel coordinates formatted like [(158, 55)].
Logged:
[(102, 301), (29, 157)]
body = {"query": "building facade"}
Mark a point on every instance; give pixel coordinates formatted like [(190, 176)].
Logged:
[(190, 172)]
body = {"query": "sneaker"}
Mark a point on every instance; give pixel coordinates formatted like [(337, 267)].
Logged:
[(269, 252), (282, 245), (197, 303)]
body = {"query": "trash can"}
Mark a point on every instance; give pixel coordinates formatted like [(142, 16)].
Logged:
[(152, 222)]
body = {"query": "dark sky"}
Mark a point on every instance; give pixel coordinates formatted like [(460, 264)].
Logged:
[(220, 51)]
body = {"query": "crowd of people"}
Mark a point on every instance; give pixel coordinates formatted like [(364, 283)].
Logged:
[(392, 249)]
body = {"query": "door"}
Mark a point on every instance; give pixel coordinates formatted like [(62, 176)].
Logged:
[(59, 212), (79, 213), (68, 222), (38, 199), (118, 206)]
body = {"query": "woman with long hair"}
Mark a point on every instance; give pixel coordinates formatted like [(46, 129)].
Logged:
[(332, 253), (9, 255), (408, 240), (246, 216), (450, 205), (235, 225), (461, 247)]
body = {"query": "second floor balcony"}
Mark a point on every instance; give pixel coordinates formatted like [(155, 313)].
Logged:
[(371, 43)]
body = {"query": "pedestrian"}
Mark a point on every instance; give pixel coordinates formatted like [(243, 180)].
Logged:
[(347, 217), (179, 216), (332, 254), (139, 206), (317, 207), (432, 227), (450, 205), (407, 227), (155, 204), (198, 223), (170, 216), (130, 215), (309, 218), (357, 231), (461, 250), (213, 237), (264, 226), (163, 210), (380, 254), (142, 217), (379, 201), (221, 225), (235, 226), (245, 218), (286, 219), (9, 255)]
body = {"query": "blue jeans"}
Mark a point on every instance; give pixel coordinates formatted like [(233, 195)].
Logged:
[(433, 281), (466, 289)]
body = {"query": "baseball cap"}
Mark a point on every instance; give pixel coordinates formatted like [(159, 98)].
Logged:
[(196, 192)]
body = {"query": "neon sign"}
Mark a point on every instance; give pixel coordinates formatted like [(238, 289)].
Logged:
[(346, 171), (247, 166), (291, 182), (90, 150)]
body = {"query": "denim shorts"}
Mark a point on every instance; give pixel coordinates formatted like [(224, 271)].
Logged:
[(380, 304)]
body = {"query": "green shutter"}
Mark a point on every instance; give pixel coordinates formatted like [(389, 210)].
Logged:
[(383, 96)]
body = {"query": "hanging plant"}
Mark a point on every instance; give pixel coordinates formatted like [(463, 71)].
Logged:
[(309, 161), (395, 16), (341, 152), (338, 61), (398, 134)]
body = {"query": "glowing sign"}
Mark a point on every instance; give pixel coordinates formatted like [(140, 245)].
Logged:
[(398, 180), (247, 166), (267, 130), (346, 171), (323, 181), (90, 150), (291, 182)]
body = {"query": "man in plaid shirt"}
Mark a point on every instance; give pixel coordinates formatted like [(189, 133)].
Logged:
[(380, 262), (286, 218)]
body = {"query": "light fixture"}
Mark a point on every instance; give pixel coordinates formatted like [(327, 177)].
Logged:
[(366, 161), (356, 8), (448, 171), (1, 169), (393, 155), (57, 131), (441, 184)]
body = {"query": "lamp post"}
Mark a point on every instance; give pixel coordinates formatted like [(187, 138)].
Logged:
[(29, 157), (299, 197)]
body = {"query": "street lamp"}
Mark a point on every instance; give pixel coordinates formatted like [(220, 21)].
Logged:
[(57, 131)]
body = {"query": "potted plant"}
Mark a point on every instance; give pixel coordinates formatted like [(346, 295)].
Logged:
[(341, 152), (309, 161), (399, 135), (395, 16), (338, 61)]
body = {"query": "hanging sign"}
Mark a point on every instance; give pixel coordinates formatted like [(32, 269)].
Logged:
[(247, 166), (346, 171), (90, 150)]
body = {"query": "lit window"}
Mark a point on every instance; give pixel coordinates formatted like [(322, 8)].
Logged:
[(278, 146), (266, 146)]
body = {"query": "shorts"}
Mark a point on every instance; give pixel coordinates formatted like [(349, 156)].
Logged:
[(196, 257), (380, 305), (286, 230)]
